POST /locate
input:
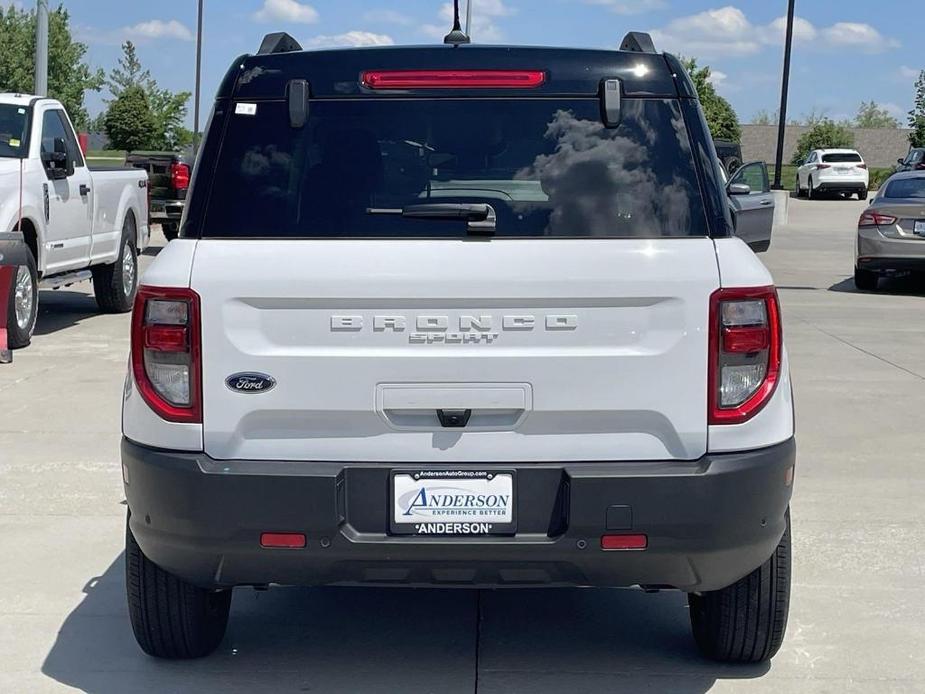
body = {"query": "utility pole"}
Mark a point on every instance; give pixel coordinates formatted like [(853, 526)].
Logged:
[(41, 47), (784, 89), (198, 80), (468, 17)]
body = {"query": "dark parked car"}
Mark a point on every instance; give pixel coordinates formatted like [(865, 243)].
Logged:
[(168, 176), (913, 161), (730, 154)]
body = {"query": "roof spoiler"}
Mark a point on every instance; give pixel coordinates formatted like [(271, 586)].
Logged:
[(638, 42), (278, 42)]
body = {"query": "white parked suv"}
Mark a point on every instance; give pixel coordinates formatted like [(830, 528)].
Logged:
[(458, 316), (833, 171)]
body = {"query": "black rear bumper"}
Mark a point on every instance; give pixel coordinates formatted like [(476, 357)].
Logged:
[(709, 522), (898, 264)]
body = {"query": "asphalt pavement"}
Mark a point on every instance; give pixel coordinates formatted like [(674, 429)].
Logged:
[(857, 622)]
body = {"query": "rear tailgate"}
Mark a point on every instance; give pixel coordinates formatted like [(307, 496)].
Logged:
[(562, 350)]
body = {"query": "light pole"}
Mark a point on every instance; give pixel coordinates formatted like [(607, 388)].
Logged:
[(198, 79), (41, 48), (468, 17), (784, 89)]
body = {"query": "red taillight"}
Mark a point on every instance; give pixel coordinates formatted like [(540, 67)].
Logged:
[(179, 175), (823, 166), (453, 79), (167, 353), (861, 166), (872, 218), (745, 352), (282, 540), (624, 542)]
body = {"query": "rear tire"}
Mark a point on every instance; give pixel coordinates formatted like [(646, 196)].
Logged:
[(797, 190), (23, 307), (862, 195), (745, 622), (810, 191), (866, 280), (115, 284), (171, 618)]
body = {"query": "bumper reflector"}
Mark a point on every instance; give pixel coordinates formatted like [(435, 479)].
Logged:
[(612, 542), (282, 540)]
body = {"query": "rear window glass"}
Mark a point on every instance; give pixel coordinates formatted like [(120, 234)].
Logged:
[(906, 188), (841, 158), (547, 168)]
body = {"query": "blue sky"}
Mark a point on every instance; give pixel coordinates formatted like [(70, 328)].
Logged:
[(845, 51)]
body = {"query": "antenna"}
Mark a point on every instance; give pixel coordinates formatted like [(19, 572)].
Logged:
[(457, 36)]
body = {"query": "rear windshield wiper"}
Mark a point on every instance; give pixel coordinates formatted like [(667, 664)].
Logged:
[(481, 217)]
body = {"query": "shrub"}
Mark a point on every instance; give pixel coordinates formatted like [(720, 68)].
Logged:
[(826, 134)]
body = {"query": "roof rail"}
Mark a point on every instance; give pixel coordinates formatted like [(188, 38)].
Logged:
[(638, 42), (278, 42)]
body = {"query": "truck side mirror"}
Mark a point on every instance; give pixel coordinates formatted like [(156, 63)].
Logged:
[(57, 164)]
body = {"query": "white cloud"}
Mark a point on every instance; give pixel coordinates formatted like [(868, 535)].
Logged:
[(717, 78), (158, 29), (727, 31), (387, 17), (908, 73), (141, 33), (856, 35), (484, 13), (286, 11), (776, 31), (629, 6), (351, 39)]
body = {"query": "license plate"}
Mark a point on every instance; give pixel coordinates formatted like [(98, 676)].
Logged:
[(919, 228), (452, 502)]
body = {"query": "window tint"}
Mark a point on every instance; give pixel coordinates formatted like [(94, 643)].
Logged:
[(841, 158), (54, 126), (548, 168), (14, 130), (906, 188)]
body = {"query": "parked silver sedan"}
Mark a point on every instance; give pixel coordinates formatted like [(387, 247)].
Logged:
[(891, 232)]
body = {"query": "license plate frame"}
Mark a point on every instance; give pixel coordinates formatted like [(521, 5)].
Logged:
[(918, 227), (427, 519)]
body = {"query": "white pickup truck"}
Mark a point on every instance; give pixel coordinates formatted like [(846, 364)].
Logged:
[(79, 223)]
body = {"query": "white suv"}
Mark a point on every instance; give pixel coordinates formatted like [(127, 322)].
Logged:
[(458, 317), (833, 171)]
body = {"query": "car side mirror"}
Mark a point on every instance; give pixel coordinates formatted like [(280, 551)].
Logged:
[(739, 189), (900, 161)]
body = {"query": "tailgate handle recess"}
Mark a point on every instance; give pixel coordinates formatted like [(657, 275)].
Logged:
[(453, 419)]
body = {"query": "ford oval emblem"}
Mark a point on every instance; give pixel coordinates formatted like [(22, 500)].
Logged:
[(250, 382)]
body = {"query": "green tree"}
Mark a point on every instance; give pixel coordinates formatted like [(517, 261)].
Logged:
[(826, 134), (168, 108), (130, 125), (917, 114), (763, 117), (871, 115), (721, 117), (69, 76)]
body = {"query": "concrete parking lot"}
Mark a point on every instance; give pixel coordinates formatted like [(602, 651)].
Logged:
[(858, 616)]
